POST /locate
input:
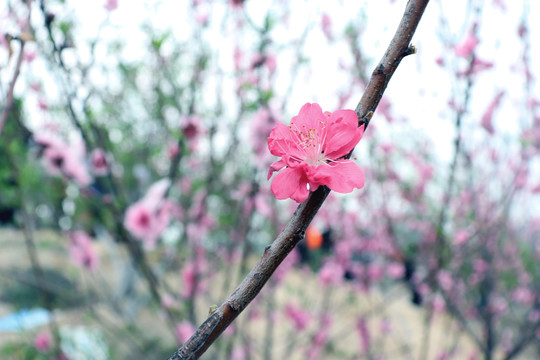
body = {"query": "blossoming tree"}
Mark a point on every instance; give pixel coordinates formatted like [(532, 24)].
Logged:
[(141, 178)]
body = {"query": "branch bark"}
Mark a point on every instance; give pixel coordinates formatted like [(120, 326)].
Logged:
[(275, 253), (8, 103)]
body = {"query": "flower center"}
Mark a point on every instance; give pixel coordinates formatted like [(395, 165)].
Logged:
[(311, 142)]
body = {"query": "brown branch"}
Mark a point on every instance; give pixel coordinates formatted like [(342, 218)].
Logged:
[(274, 254), (8, 104)]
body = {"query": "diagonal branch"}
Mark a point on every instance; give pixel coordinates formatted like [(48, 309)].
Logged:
[(274, 254)]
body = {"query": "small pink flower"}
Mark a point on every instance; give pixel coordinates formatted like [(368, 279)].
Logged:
[(184, 331), (326, 26), (445, 280), (111, 5), (202, 18), (523, 295), (29, 56), (438, 303), (488, 114), (42, 342), (298, 316), (100, 165), (82, 250), (461, 237), (363, 330), (239, 353), (61, 158), (188, 279), (466, 48), (395, 270), (149, 217), (167, 301), (500, 4), (310, 150), (331, 273)]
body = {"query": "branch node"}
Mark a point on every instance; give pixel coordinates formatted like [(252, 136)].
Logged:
[(410, 50)]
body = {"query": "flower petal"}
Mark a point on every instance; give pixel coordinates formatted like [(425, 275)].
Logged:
[(310, 116), (291, 183), (276, 166), (282, 142), (343, 134), (341, 176)]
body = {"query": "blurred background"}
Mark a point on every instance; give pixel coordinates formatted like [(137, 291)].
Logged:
[(134, 192)]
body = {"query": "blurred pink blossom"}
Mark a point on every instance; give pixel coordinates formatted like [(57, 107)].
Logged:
[(188, 279), (286, 266), (184, 330), (395, 270), (363, 331), (523, 295), (326, 26), (43, 341), (299, 317), (100, 165), (438, 303), (237, 57), (61, 158), (480, 266), (385, 109), (476, 67), (111, 5), (172, 150), (82, 251), (202, 18), (29, 56), (331, 273), (467, 47), (445, 280), (192, 127), (461, 237), (261, 126), (239, 353), (147, 218), (500, 4), (488, 114), (168, 301)]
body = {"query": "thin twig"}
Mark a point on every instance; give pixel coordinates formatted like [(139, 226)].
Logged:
[(275, 253)]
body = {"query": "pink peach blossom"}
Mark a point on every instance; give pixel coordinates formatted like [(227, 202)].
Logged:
[(299, 317), (467, 47), (331, 273), (111, 5), (149, 217), (82, 250), (100, 164), (326, 26), (395, 270), (488, 114), (42, 342), (310, 150), (64, 159), (184, 330)]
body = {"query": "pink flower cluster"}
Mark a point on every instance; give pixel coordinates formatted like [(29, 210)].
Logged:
[(64, 159), (82, 251), (147, 218), (311, 151)]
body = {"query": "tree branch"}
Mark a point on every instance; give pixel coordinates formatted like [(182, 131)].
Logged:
[(274, 254), (8, 103)]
